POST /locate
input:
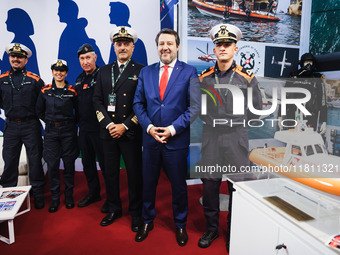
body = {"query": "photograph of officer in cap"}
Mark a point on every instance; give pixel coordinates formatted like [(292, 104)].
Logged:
[(120, 131), (57, 107), (89, 140), (226, 144), (308, 78), (19, 90)]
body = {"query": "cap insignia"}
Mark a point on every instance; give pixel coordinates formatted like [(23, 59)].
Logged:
[(16, 47), (223, 32)]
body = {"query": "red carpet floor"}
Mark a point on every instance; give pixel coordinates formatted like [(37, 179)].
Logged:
[(77, 231)]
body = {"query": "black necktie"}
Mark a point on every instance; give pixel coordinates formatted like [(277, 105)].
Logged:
[(121, 68)]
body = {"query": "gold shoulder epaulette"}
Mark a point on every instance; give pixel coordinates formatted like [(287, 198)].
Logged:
[(33, 75), (247, 74), (206, 72)]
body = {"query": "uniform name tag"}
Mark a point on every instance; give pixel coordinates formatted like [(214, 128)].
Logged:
[(112, 103)]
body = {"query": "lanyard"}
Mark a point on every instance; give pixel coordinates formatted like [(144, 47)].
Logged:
[(230, 81), (59, 96), (62, 95), (92, 80), (22, 81), (113, 75)]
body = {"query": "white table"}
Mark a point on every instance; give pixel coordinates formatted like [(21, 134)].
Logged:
[(10, 215), (259, 227)]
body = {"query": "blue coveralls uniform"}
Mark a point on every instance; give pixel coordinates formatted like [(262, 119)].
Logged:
[(57, 107), (18, 96), (89, 139), (227, 144)]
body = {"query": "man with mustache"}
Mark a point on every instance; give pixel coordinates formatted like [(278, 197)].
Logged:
[(19, 90), (120, 131)]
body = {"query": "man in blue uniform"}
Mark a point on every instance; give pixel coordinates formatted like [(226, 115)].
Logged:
[(226, 144), (19, 90), (89, 139), (120, 131)]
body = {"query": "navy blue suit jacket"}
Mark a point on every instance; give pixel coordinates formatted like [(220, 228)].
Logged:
[(174, 109)]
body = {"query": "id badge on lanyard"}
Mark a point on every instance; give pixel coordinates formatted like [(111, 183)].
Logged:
[(112, 103)]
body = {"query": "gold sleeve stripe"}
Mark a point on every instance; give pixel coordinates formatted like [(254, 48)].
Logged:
[(135, 120), (100, 116)]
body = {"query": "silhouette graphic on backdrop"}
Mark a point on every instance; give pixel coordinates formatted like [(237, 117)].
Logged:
[(119, 16), (20, 23), (73, 36)]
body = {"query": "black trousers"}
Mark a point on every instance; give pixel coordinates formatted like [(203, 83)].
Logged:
[(15, 135), (91, 147), (211, 202), (222, 147), (131, 150), (60, 143)]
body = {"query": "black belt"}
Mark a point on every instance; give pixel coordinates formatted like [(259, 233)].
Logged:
[(18, 120), (59, 123)]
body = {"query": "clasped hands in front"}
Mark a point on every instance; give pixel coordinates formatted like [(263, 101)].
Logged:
[(161, 134), (116, 130)]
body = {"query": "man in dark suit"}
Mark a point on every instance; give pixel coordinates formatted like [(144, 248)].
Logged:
[(120, 130), (162, 106)]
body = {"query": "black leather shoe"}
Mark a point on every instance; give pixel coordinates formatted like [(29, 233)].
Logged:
[(54, 206), (109, 219), (181, 236), (136, 223), (143, 232), (105, 208), (39, 202), (69, 203), (207, 238), (89, 199)]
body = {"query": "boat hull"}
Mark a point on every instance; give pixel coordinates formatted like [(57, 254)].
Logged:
[(272, 160)]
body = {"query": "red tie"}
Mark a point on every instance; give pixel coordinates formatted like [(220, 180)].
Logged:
[(163, 82)]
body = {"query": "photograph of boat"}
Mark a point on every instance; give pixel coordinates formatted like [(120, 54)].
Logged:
[(225, 12), (304, 159), (258, 21)]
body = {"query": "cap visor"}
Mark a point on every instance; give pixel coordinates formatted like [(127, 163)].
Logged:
[(20, 55)]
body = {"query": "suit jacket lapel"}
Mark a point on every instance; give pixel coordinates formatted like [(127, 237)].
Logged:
[(174, 75), (155, 79)]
